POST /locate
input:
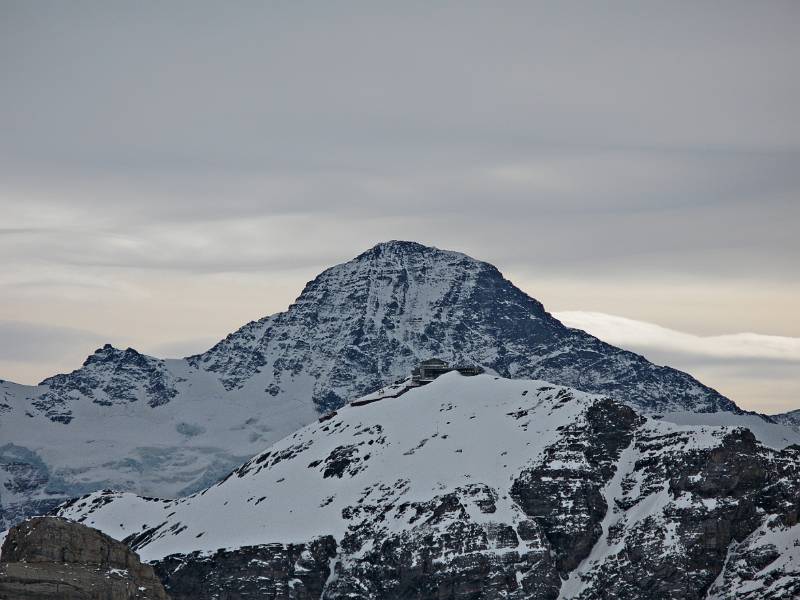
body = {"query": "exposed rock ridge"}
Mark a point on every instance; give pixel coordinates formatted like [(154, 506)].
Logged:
[(296, 571), (109, 376)]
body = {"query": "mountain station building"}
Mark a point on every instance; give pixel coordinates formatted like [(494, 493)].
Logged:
[(430, 369)]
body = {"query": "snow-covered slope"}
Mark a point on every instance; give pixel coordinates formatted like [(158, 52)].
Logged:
[(494, 487), (169, 427)]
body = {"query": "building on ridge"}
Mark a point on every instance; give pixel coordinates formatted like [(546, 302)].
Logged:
[(430, 369)]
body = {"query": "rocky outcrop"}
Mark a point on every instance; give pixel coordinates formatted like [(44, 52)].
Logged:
[(47, 558), (572, 474), (699, 523), (109, 376), (270, 571), (614, 509), (444, 553)]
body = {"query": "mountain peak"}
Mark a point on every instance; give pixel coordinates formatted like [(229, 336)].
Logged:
[(398, 245), (403, 247), (111, 353), (396, 253), (369, 321)]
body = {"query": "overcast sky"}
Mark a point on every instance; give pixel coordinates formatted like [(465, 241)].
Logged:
[(169, 171)]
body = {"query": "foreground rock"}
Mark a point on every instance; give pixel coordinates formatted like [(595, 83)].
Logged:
[(47, 558)]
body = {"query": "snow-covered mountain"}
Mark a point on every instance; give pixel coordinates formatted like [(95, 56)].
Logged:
[(369, 321), (171, 427), (481, 487)]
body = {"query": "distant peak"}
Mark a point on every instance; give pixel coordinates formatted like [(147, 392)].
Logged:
[(111, 353), (393, 257), (101, 354)]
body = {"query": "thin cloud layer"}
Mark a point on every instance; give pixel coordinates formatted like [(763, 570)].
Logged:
[(629, 333), (758, 371)]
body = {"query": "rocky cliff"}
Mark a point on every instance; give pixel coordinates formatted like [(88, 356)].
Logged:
[(47, 558), (482, 487)]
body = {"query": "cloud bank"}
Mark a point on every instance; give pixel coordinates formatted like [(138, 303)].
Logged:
[(757, 371), (629, 333)]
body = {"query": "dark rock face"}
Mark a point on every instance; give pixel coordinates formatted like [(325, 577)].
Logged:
[(573, 474), (445, 555), (713, 500), (791, 418), (47, 558), (271, 571), (614, 508)]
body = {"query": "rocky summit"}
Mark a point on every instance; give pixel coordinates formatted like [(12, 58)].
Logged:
[(481, 487), (54, 559), (157, 427), (368, 322)]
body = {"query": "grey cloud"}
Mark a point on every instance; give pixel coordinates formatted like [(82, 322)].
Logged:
[(622, 143), (181, 348), (759, 372), (729, 347), (636, 212), (163, 87), (24, 342)]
